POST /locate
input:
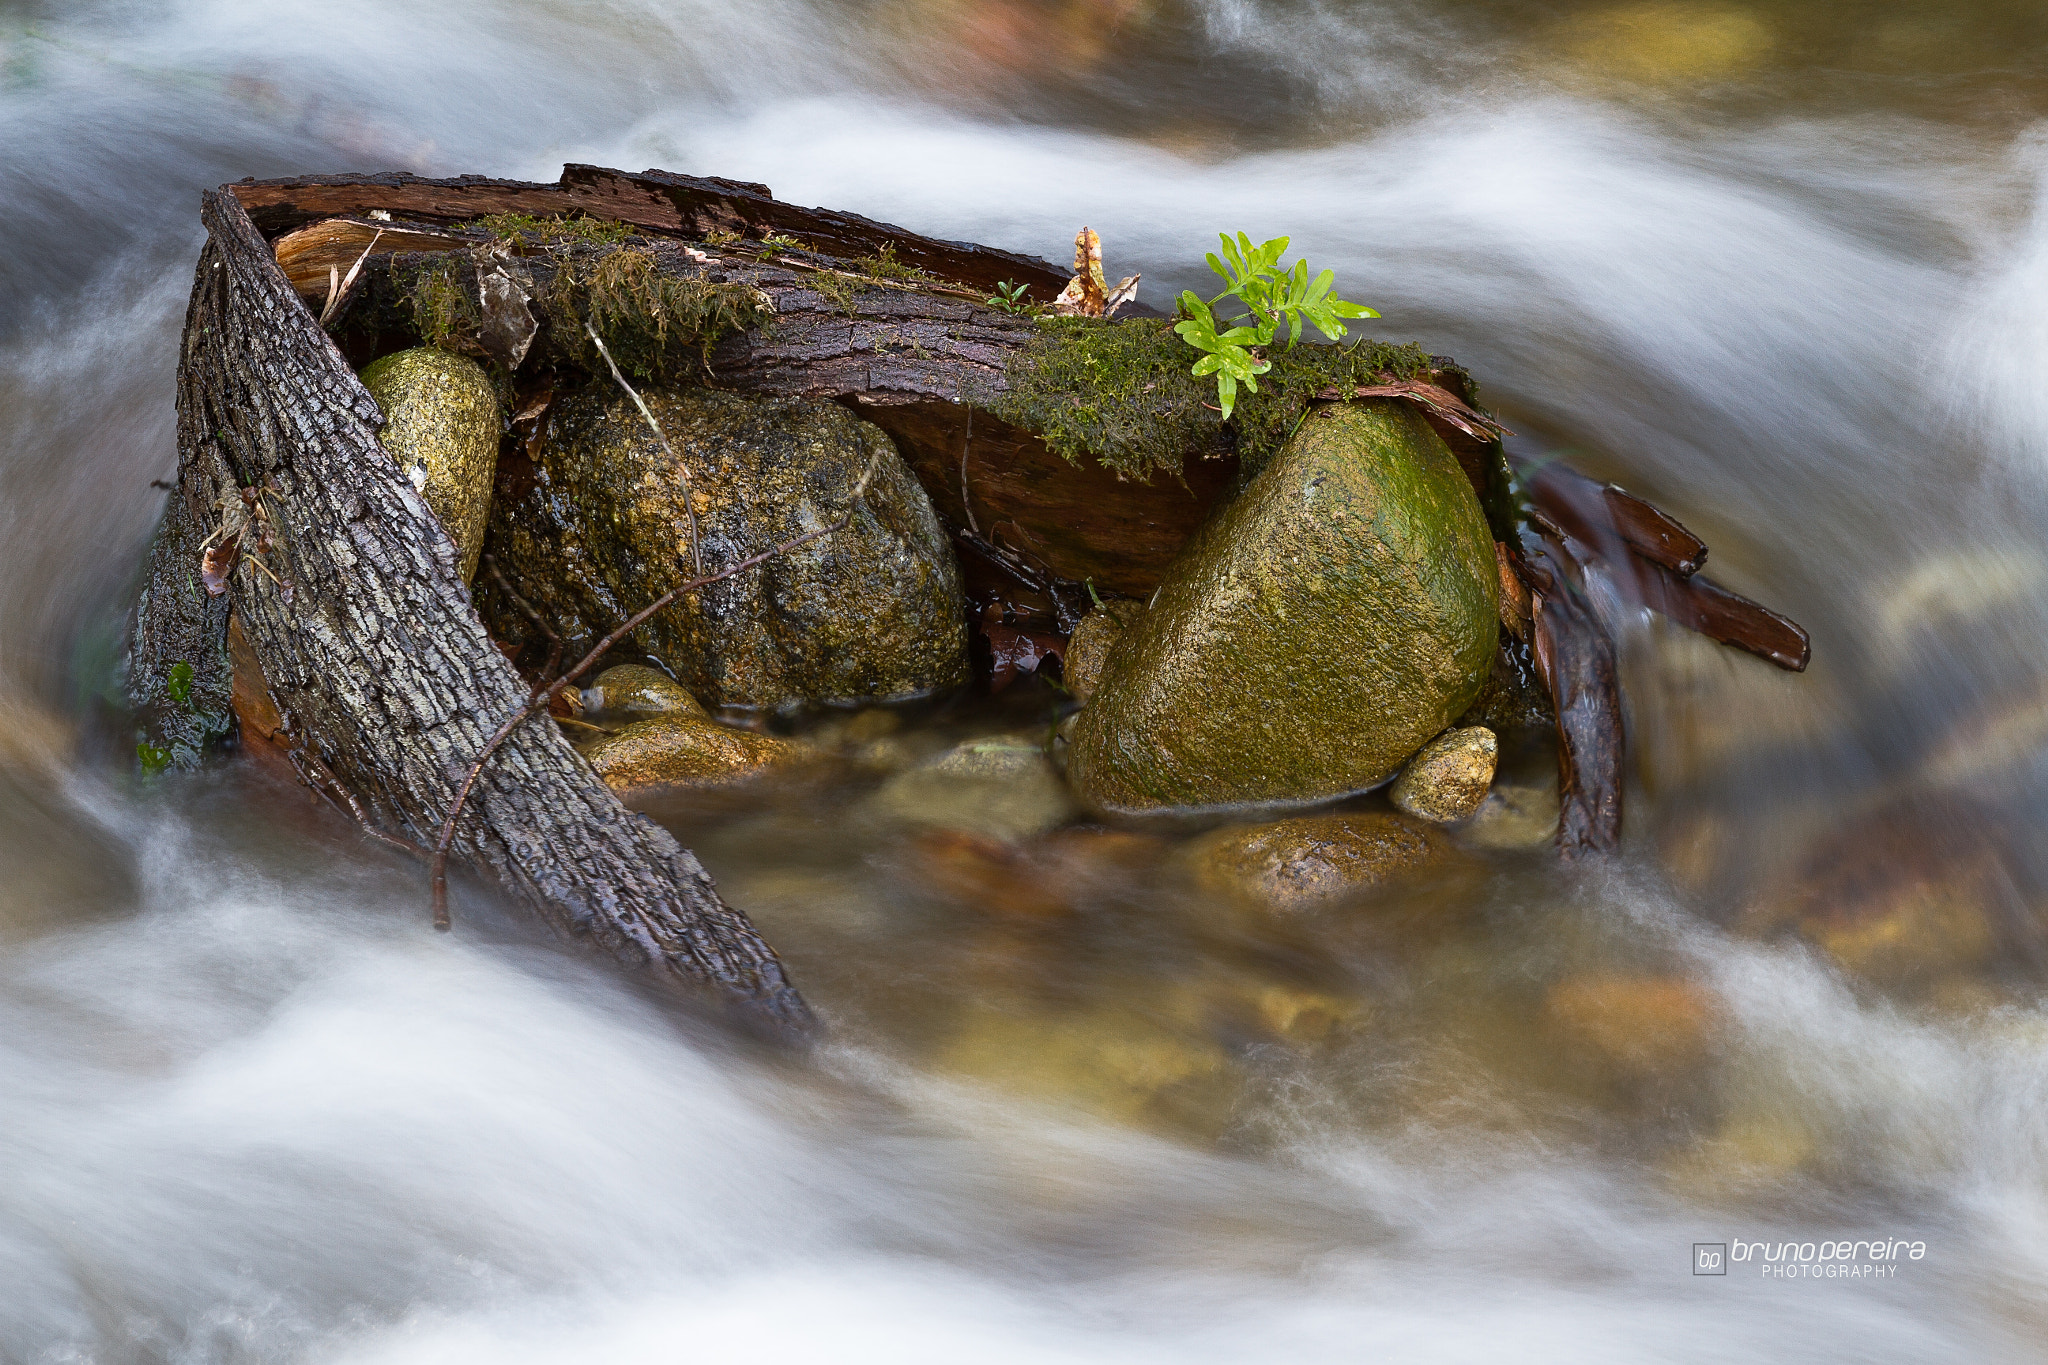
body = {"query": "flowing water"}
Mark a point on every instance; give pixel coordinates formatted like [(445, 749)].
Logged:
[(1782, 268)]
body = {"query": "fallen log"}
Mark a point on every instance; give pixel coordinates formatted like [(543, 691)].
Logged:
[(350, 595)]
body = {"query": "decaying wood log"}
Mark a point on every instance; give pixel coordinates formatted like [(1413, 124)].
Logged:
[(378, 664)]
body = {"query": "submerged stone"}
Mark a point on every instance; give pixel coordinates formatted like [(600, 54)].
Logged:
[(441, 426), (637, 689), (872, 611), (685, 750), (1312, 635), (1293, 865), (1447, 780), (1002, 787)]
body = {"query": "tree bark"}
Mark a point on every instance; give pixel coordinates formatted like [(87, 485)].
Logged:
[(375, 659)]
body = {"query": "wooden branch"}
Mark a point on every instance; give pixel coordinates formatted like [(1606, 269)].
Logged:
[(1654, 561), (1576, 658)]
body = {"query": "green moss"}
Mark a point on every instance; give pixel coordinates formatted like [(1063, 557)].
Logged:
[(885, 267), (653, 323), (528, 230), (1121, 393), (441, 290), (840, 291)]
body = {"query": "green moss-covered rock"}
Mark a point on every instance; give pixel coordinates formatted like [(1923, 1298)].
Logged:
[(1311, 636), (1088, 647), (871, 612), (441, 425)]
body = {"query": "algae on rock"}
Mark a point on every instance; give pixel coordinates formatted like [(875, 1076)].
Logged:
[(1312, 635), (441, 426), (872, 612)]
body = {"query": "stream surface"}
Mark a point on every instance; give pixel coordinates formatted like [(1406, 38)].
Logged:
[(1781, 268)]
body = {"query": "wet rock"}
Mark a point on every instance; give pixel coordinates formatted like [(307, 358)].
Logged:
[(1002, 788), (1644, 1025), (441, 426), (682, 750), (1294, 865), (1514, 817), (1314, 633), (1148, 1062), (871, 612), (1448, 779), (1911, 893), (635, 689), (1088, 647)]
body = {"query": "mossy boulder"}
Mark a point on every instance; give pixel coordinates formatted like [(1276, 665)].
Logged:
[(873, 611), (441, 426), (1312, 635)]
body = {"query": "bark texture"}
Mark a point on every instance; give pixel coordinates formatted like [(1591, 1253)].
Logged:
[(375, 659)]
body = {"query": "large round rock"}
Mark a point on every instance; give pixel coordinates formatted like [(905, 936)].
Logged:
[(1312, 635), (870, 612), (441, 426)]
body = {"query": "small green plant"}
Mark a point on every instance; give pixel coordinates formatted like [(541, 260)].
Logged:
[(528, 230), (179, 684), (1009, 297), (1269, 296), (774, 244), (153, 759)]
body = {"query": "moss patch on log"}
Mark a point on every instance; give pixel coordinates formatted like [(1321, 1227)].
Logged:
[(527, 230), (1121, 393), (648, 318)]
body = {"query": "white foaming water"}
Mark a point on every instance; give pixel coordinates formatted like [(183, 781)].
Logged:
[(268, 1116)]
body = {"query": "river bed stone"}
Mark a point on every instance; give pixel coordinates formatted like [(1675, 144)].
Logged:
[(1295, 865), (1448, 779)]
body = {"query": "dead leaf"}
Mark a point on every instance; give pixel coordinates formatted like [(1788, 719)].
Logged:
[(1014, 652), (1088, 295), (218, 563), (509, 327)]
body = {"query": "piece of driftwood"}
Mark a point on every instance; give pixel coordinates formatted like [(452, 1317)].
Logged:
[(373, 657), (1655, 562), (1576, 660)]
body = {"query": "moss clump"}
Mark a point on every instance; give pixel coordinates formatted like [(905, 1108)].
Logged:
[(527, 230), (1121, 393), (652, 322), (441, 292), (1117, 391)]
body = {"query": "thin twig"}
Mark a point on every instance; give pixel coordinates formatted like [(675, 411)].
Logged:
[(967, 503), (689, 493), (337, 292), (526, 609), (541, 701)]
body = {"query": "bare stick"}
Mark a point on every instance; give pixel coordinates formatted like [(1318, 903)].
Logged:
[(540, 701), (526, 609), (689, 492), (967, 503), (337, 292)]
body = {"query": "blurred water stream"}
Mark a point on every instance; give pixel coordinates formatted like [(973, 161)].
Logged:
[(1780, 268)]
